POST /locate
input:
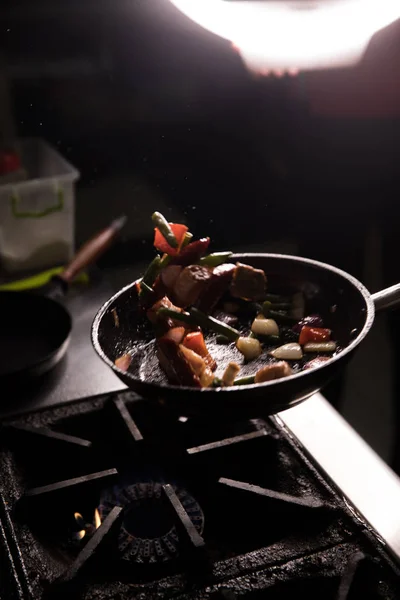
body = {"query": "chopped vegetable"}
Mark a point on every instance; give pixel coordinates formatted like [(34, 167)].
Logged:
[(263, 326), (215, 259), (123, 362), (222, 339), (168, 237), (273, 371), (175, 314), (314, 334), (249, 347), (175, 363), (190, 283), (191, 253), (320, 347), (298, 306), (152, 271), (244, 380), (196, 317), (225, 317), (199, 366), (165, 229), (145, 290), (195, 341), (279, 316), (196, 362), (155, 314), (230, 373), (310, 321), (210, 323), (248, 283), (288, 352), (316, 362)]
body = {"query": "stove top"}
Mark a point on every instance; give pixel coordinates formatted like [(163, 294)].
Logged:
[(113, 498)]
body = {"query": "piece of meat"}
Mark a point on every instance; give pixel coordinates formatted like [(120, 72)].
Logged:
[(169, 275), (175, 364), (273, 371), (248, 283), (192, 253), (216, 287), (190, 284)]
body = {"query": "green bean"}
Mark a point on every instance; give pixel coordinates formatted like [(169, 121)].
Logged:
[(178, 316), (210, 323), (152, 271), (187, 239), (282, 317), (244, 380), (164, 228), (222, 339), (145, 290), (215, 259), (279, 316), (275, 298), (217, 382)]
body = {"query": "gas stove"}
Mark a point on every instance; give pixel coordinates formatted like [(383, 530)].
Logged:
[(113, 498)]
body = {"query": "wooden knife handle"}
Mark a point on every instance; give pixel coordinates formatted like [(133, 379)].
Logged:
[(92, 250)]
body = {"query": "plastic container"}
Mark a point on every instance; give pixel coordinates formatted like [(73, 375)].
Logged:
[(37, 215)]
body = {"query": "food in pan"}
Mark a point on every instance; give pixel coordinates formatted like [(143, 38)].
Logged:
[(196, 301)]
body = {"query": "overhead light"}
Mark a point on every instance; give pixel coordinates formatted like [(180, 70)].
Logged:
[(279, 35)]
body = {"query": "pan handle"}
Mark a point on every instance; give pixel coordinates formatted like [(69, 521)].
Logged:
[(92, 250), (388, 298)]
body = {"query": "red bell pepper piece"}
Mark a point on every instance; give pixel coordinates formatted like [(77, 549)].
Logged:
[(195, 341), (161, 243), (314, 334)]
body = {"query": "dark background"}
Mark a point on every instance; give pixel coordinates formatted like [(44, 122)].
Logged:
[(150, 108)]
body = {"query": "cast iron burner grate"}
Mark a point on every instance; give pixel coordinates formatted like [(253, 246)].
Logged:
[(114, 498)]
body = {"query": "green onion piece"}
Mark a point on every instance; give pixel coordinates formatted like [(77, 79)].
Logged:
[(152, 271), (252, 335), (266, 307), (215, 259), (217, 382), (178, 316), (282, 317), (166, 259), (210, 323), (244, 380), (164, 228)]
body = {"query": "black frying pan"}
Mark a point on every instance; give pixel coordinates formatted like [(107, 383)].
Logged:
[(346, 305), (35, 328)]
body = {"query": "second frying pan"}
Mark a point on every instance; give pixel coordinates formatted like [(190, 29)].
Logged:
[(35, 328)]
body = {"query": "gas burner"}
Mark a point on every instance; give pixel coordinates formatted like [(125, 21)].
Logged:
[(148, 533)]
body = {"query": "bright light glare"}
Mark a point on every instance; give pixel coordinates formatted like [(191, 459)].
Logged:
[(285, 35)]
